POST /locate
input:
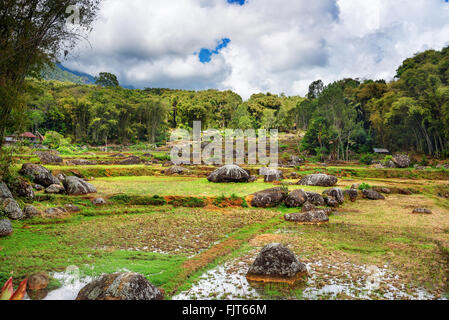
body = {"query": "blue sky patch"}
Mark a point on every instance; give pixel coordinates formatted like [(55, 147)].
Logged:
[(205, 55), (240, 2)]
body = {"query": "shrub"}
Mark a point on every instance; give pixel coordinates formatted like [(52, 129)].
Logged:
[(367, 158), (148, 201), (364, 186), (189, 202)]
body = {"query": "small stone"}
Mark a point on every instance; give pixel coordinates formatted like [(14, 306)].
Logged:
[(98, 202), (72, 208), (422, 211), (38, 187), (55, 189)]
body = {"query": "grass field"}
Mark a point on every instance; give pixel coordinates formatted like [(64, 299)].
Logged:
[(179, 249)]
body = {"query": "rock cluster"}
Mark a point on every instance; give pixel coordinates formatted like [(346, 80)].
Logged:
[(269, 198), (309, 217), (77, 186), (39, 174)]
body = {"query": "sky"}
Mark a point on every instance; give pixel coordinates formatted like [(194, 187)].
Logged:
[(252, 46)]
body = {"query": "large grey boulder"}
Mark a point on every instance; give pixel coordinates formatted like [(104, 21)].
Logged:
[(315, 199), (39, 174), (120, 286), (401, 161), (269, 198), (276, 263), (372, 195), (319, 180), (23, 189), (336, 194), (77, 186), (229, 173), (309, 217), (12, 209), (5, 193), (296, 198), (5, 228)]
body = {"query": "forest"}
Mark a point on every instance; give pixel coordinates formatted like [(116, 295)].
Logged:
[(341, 120)]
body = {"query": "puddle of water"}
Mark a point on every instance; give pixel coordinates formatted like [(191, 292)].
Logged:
[(325, 281)]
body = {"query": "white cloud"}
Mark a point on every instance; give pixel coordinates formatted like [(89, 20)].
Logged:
[(277, 46)]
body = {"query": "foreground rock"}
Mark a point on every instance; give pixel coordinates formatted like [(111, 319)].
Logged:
[(319, 180), (229, 173), (23, 189), (296, 199), (38, 281), (335, 193), (176, 170), (39, 174), (276, 263), (12, 209), (372, 195), (308, 207), (401, 161), (76, 186), (269, 198), (309, 217), (56, 212), (422, 211), (5, 228), (5, 193), (120, 286)]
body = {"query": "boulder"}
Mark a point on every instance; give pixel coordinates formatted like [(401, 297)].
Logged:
[(315, 199), (38, 281), (30, 212), (23, 189), (176, 170), (351, 194), (48, 157), (269, 198), (61, 177), (276, 263), (355, 186), (308, 207), (120, 286), (229, 173), (55, 189), (309, 217), (98, 202), (76, 186), (422, 211), (320, 180), (55, 212), (131, 161), (39, 174), (336, 194), (4, 191), (405, 192), (296, 198), (272, 175), (81, 162), (401, 161), (296, 161), (5, 228), (38, 187), (372, 195), (331, 202), (385, 190), (72, 208), (12, 209)]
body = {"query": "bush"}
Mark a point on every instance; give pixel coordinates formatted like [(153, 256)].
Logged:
[(364, 186), (367, 158), (55, 140), (148, 201), (189, 202)]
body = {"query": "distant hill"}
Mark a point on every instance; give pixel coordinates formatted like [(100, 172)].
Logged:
[(63, 74)]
